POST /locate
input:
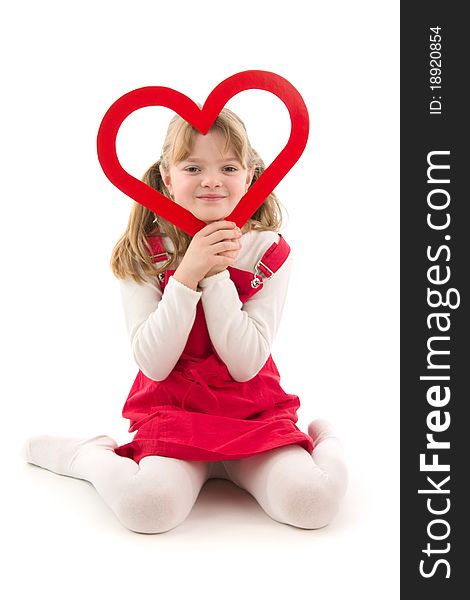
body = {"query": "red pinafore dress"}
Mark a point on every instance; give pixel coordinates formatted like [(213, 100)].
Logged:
[(199, 412)]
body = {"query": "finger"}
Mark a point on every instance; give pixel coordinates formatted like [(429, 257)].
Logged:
[(230, 253), (224, 234), (223, 261), (215, 226), (224, 246)]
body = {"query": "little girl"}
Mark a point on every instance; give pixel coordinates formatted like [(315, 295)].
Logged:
[(201, 314)]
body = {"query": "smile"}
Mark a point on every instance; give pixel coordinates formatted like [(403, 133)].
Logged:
[(211, 197)]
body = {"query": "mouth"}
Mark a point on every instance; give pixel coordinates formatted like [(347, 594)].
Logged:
[(211, 197)]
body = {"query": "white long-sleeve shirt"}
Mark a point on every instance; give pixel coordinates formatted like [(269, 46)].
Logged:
[(159, 324)]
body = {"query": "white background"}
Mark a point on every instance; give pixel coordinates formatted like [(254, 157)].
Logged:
[(66, 362)]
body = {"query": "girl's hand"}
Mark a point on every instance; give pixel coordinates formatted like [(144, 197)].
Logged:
[(232, 254), (215, 247)]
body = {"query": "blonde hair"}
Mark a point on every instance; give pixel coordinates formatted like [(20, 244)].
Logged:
[(131, 256)]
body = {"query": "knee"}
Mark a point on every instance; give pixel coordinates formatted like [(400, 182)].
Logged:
[(153, 510), (307, 505)]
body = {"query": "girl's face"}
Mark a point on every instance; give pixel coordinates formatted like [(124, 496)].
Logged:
[(210, 182)]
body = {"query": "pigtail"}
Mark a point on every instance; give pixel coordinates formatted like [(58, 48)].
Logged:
[(156, 225), (132, 254), (268, 216)]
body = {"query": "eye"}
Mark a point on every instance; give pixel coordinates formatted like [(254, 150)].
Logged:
[(192, 169), (230, 169)]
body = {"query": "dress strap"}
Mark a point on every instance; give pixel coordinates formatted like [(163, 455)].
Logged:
[(271, 261), (158, 252)]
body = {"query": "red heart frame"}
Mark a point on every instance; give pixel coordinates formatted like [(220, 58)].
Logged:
[(202, 120)]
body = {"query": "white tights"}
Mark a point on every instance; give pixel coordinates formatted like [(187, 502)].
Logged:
[(157, 494)]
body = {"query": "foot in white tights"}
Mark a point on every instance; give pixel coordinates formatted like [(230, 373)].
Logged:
[(328, 453), (58, 454)]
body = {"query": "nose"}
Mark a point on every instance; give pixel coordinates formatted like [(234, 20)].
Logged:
[(211, 179)]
